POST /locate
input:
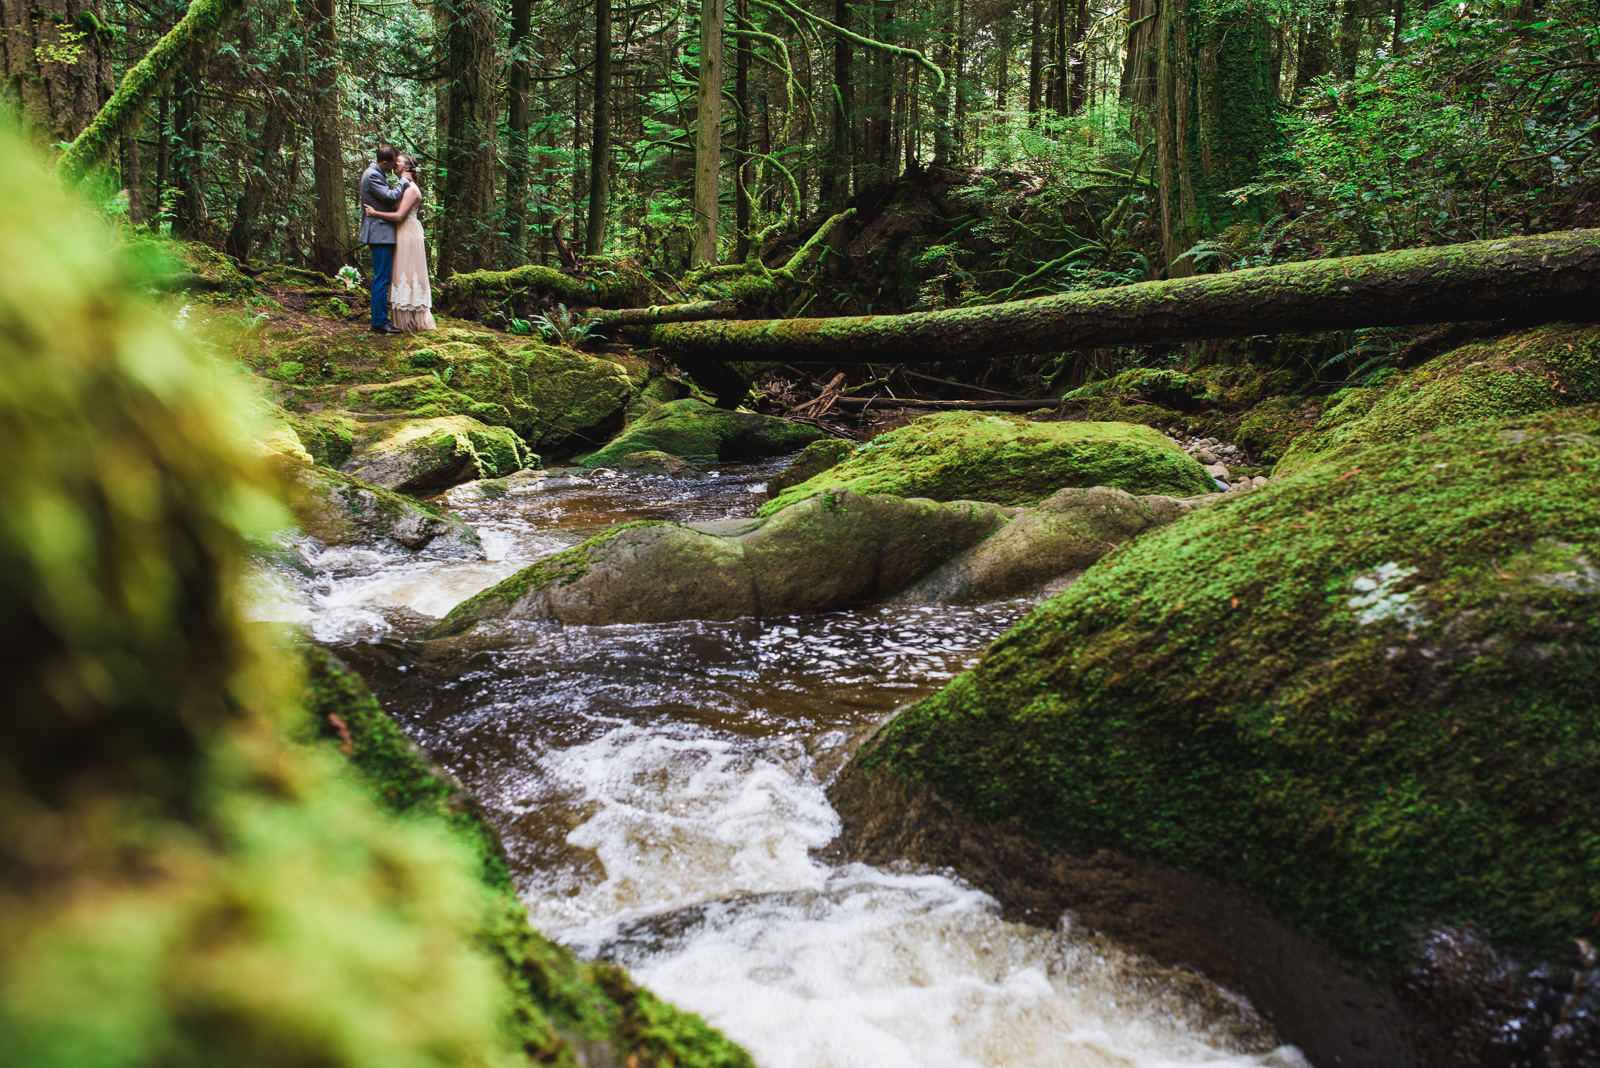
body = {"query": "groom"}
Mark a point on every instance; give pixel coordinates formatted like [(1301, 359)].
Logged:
[(379, 233)]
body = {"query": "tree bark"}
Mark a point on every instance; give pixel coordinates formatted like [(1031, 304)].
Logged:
[(708, 135), (55, 65), (330, 230), (1174, 95), (600, 141), (189, 161), (745, 172), (1541, 278), (467, 240), (1036, 58), (519, 80)]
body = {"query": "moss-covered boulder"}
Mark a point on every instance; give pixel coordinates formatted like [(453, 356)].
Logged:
[(1047, 546), (1008, 460), (821, 455), (579, 398), (428, 456), (1520, 374), (835, 549), (339, 509), (1367, 702), (693, 430), (657, 463)]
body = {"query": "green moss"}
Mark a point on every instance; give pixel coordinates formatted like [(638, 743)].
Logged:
[(1005, 459), (1370, 701), (558, 569), (478, 292), (328, 436), (575, 394), (695, 431), (551, 996), (821, 455), (1520, 374)]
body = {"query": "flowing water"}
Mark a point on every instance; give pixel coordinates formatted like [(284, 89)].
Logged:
[(660, 791)]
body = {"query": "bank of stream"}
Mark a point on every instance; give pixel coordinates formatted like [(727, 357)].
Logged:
[(660, 792)]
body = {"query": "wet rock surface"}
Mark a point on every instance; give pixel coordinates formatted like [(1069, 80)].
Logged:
[(693, 430), (426, 456)]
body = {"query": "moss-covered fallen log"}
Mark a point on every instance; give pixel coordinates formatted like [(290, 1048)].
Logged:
[(1541, 278), (524, 289), (121, 114), (694, 311)]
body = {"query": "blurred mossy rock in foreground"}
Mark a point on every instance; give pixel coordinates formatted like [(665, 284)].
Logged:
[(1523, 373), (1368, 704), (180, 883), (1007, 459)]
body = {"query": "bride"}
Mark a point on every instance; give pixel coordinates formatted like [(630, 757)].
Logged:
[(410, 300)]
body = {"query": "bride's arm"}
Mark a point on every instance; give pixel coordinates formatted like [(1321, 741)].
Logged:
[(408, 203)]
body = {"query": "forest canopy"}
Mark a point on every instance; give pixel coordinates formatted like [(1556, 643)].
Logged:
[(1032, 148)]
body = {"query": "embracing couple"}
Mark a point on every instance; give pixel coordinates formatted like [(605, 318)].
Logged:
[(401, 299)]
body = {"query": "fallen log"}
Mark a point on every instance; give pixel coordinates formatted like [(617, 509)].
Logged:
[(1022, 404), (694, 311), (1541, 278)]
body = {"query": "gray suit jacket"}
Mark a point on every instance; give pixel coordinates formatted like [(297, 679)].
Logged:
[(375, 191)]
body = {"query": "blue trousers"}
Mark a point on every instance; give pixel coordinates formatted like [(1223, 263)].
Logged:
[(382, 268)]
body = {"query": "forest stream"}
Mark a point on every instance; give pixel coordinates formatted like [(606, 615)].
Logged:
[(659, 789)]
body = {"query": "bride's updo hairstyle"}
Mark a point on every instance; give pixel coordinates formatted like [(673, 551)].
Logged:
[(409, 163)]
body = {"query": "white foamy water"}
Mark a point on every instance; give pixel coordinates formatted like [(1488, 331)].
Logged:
[(661, 793), (708, 891)]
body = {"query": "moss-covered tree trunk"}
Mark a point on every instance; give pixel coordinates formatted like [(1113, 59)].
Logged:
[(258, 179), (122, 113), (1542, 278), (55, 65)]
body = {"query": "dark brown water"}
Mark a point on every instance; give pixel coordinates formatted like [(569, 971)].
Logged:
[(660, 789)]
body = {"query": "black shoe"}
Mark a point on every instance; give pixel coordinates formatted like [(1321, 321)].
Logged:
[(387, 328)]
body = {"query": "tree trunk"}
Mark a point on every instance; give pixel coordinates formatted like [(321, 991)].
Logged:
[(55, 65), (467, 239), (836, 178), (1541, 278), (943, 98), (189, 159), (708, 135), (1078, 78), (1351, 27), (519, 82), (600, 142), (745, 174), (1036, 58), (330, 231), (1174, 89), (258, 180)]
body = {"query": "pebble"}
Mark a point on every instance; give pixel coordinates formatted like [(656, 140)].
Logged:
[(1217, 471), (1206, 456), (1260, 480)]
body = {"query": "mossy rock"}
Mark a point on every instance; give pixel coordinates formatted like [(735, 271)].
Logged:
[(1368, 702), (340, 509), (830, 551), (181, 884), (281, 274), (424, 397), (549, 998), (578, 397), (1520, 374), (693, 430), (328, 436), (425, 456), (1008, 460), (1148, 395), (657, 463), (821, 455)]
